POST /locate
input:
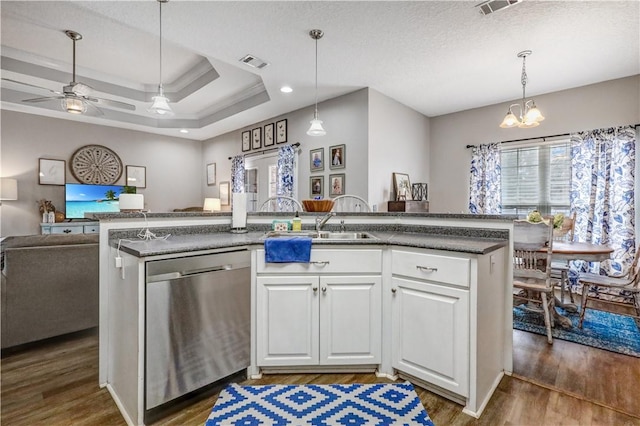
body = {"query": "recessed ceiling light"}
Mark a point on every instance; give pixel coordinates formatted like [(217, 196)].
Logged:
[(286, 89), (184, 131)]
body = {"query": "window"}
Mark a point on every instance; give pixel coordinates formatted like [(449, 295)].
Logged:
[(536, 178)]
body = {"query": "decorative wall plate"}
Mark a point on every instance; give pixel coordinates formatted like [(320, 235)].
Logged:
[(96, 164)]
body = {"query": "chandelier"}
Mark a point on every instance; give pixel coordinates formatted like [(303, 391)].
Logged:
[(529, 115)]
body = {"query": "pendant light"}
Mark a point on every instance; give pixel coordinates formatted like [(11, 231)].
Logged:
[(316, 124), (530, 115), (160, 104)]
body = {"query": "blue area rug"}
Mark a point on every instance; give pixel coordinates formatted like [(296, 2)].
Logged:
[(615, 333), (296, 405)]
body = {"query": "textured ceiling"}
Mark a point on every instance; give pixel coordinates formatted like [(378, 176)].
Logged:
[(436, 57)]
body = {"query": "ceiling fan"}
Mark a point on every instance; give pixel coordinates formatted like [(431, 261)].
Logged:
[(76, 97)]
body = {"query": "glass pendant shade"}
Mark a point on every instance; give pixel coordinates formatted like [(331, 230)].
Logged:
[(74, 106), (316, 128), (533, 114), (510, 120), (160, 104)]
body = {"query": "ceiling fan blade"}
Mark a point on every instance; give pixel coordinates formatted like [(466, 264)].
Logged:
[(47, 98), (31, 85), (92, 109), (112, 103)]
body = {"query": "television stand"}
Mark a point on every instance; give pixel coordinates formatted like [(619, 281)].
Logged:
[(73, 226)]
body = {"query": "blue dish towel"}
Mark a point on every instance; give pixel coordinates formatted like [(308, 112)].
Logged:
[(287, 249)]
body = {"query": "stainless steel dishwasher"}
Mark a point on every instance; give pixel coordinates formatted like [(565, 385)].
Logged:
[(197, 323)]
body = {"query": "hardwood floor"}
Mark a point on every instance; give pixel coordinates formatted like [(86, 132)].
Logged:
[(56, 383)]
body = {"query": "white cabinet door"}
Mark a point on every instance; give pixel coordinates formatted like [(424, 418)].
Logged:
[(287, 320), (430, 333), (350, 320)]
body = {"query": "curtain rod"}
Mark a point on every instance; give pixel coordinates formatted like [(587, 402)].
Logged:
[(544, 138), (264, 151)]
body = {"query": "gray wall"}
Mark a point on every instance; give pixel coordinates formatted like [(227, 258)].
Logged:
[(172, 179), (398, 143), (345, 120), (607, 104)]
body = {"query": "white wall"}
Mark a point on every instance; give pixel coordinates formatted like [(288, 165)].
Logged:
[(607, 104), (345, 120), (398, 143), (172, 179)]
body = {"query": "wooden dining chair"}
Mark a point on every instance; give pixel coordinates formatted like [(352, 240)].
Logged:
[(560, 270), (281, 203), (621, 291), (532, 245)]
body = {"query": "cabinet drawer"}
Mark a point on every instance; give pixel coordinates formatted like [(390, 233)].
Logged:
[(78, 229), (328, 261), (431, 267), (91, 229)]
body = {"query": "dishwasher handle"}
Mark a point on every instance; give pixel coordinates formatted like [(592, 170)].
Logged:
[(190, 273)]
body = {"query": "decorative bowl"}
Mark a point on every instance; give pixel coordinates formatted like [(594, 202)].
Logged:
[(317, 205)]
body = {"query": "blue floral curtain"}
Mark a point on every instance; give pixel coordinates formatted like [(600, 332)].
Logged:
[(484, 189), (602, 193), (237, 174), (286, 163)]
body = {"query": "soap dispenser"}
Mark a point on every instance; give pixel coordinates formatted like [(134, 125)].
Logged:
[(297, 223)]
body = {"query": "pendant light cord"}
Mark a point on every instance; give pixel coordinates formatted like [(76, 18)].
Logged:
[(316, 78), (160, 85)]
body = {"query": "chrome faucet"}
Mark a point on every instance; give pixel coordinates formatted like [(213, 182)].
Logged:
[(320, 221)]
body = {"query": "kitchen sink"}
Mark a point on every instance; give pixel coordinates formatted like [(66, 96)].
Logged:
[(325, 235)]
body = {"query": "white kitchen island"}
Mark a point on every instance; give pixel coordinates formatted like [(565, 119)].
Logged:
[(427, 300)]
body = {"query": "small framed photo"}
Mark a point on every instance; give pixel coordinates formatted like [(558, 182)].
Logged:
[(52, 172), (211, 174), (256, 138), (336, 185), (316, 186), (246, 141), (137, 176), (224, 193), (269, 130), (316, 160), (281, 131), (337, 153), (402, 186)]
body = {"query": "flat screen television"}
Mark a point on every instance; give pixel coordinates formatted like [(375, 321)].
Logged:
[(81, 198)]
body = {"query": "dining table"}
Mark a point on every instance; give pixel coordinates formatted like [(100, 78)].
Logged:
[(573, 250)]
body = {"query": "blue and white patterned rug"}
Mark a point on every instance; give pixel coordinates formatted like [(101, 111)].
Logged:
[(296, 405), (604, 330)]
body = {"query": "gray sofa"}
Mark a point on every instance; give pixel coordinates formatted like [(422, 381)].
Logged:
[(49, 286)]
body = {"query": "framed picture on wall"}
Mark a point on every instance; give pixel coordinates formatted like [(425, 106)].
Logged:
[(269, 130), (224, 193), (337, 156), (211, 174), (136, 176), (316, 186), (316, 159), (336, 185), (281, 131), (246, 141), (256, 138), (52, 172)]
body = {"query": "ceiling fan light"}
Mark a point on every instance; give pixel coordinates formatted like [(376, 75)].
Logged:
[(510, 120), (74, 106), (161, 106)]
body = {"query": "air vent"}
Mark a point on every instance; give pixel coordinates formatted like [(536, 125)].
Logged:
[(491, 6), (254, 61)]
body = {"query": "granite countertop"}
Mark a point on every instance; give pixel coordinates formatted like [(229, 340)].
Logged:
[(176, 244)]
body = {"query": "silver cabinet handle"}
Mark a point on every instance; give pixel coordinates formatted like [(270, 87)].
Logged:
[(315, 289), (426, 268), (320, 263), (393, 290), (324, 289)]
